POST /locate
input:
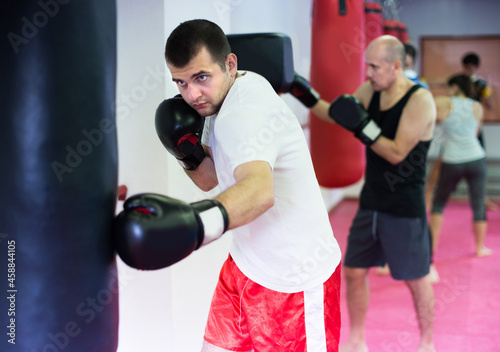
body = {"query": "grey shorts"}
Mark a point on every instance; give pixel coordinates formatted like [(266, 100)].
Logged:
[(377, 238)]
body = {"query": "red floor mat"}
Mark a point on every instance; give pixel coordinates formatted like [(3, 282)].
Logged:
[(467, 311)]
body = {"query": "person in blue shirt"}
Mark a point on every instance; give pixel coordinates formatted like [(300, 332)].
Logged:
[(409, 65)]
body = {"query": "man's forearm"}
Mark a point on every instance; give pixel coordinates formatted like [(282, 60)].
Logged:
[(204, 176), (251, 196), (389, 150), (320, 110), (244, 206)]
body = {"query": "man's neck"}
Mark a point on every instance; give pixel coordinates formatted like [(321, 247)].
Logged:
[(392, 94), (400, 86)]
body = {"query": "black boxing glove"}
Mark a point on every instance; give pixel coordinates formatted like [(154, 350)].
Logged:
[(155, 231), (301, 89), (348, 112), (179, 128), (481, 89)]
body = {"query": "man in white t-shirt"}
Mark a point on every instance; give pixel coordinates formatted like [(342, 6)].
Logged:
[(279, 288)]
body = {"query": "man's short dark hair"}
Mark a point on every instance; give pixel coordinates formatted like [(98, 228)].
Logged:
[(410, 50), (471, 58), (186, 41)]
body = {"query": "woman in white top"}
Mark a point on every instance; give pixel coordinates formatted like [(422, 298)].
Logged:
[(463, 157)]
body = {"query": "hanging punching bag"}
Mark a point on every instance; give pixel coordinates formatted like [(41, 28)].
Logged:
[(391, 28), (338, 43), (397, 29), (58, 184), (374, 24), (403, 32), (374, 21)]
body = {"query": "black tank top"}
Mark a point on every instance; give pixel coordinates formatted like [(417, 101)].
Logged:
[(394, 189)]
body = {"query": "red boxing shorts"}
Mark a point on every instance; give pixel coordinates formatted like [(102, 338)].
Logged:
[(246, 316)]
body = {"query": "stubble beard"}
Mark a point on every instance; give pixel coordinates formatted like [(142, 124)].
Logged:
[(217, 104)]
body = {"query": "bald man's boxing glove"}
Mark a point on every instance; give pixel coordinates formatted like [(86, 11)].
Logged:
[(348, 112), (301, 89), (179, 128), (155, 231)]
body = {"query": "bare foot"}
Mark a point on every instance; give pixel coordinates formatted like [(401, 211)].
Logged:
[(383, 270), (354, 347), (430, 348), (433, 274), (483, 252)]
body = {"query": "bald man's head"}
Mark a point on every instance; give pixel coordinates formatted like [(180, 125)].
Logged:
[(384, 57), (389, 47)]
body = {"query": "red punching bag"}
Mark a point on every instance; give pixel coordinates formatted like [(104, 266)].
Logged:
[(374, 21), (337, 51), (397, 29), (403, 32), (391, 28)]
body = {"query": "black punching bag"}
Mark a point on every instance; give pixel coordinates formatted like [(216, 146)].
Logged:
[(58, 179)]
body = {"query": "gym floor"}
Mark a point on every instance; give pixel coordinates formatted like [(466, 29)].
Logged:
[(467, 310)]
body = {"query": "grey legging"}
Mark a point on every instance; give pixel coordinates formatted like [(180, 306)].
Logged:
[(474, 173)]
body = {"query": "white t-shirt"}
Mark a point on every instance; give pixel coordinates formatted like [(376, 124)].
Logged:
[(291, 247), (460, 128)]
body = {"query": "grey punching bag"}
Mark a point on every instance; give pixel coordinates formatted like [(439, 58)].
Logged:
[(58, 179)]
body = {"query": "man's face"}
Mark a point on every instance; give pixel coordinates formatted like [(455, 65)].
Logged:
[(469, 69), (380, 72), (409, 64), (202, 82)]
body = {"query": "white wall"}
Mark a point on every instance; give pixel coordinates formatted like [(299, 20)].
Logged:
[(144, 296), (449, 17)]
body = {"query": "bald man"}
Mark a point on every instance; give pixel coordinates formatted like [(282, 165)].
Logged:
[(395, 118)]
